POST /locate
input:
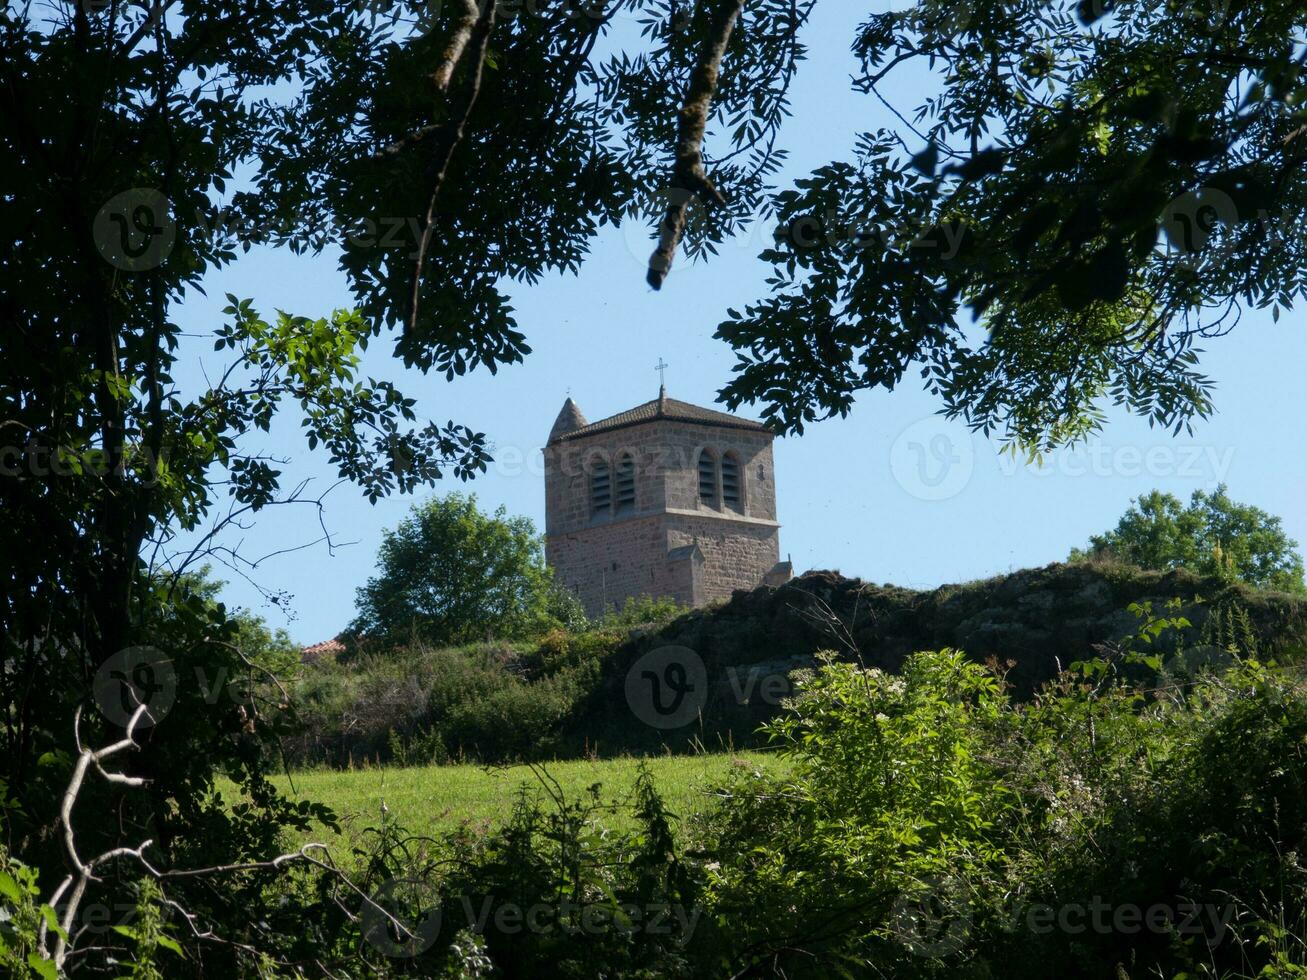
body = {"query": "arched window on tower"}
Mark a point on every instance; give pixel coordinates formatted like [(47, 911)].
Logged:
[(707, 478), (732, 488), (625, 484), (601, 488)]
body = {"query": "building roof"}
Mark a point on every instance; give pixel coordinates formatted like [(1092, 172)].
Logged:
[(661, 407), (327, 648), (685, 551), (569, 420)]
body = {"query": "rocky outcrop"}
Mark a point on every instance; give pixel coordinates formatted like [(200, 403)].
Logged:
[(1033, 622)]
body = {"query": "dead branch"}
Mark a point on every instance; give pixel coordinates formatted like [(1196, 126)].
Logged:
[(688, 175), (74, 885), (84, 871)]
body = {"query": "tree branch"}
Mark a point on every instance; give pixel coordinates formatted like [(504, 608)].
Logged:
[(688, 174), (448, 136), (84, 871), (458, 41), (75, 884)]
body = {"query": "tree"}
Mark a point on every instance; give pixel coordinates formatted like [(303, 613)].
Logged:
[(450, 573), (440, 148), (1214, 535), (445, 148), (1093, 190)]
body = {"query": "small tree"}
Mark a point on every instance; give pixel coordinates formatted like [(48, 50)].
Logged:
[(451, 573), (1214, 535)]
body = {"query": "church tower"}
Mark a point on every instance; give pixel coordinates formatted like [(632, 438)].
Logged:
[(665, 499)]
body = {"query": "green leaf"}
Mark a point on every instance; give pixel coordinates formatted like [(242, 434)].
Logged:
[(168, 942), (9, 888), (52, 921)]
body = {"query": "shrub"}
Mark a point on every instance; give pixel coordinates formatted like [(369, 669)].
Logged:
[(929, 826), (421, 704), (640, 611), (889, 792)]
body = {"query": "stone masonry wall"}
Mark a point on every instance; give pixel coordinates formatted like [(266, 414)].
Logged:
[(736, 555), (607, 558), (607, 564)]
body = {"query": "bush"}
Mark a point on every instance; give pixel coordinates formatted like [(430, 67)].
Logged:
[(925, 824), (640, 611), (891, 791), (420, 704), (929, 826)]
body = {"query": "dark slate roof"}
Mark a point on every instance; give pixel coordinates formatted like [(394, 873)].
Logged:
[(661, 407)]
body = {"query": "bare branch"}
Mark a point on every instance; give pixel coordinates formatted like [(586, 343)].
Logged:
[(74, 885), (458, 41), (84, 871), (688, 175)]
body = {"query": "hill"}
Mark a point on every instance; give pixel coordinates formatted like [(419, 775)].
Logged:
[(1034, 621)]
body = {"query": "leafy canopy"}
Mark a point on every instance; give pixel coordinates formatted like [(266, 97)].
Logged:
[(450, 573), (145, 147), (1085, 192), (1214, 535)]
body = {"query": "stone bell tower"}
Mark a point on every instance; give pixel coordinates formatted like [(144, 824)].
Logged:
[(664, 499)]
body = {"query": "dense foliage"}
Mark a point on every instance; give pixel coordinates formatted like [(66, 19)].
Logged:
[(146, 144), (1214, 536), (487, 702), (450, 573), (922, 825), (1076, 195), (931, 828)]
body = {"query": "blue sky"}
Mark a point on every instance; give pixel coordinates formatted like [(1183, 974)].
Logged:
[(891, 494)]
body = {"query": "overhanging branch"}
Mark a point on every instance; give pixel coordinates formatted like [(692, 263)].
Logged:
[(689, 179), (450, 134)]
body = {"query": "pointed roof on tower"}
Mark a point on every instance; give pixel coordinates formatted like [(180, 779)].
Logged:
[(569, 420)]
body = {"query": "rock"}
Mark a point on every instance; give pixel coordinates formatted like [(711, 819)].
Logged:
[(1037, 619)]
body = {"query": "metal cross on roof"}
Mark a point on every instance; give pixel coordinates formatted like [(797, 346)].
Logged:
[(661, 367)]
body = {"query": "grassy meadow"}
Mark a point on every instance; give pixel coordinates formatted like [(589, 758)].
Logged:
[(431, 800)]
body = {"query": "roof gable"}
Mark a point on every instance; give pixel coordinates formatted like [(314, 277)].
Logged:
[(661, 409)]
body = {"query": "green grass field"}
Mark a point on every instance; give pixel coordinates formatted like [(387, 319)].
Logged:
[(436, 799)]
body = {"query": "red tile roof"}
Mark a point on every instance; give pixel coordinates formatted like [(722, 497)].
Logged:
[(327, 648)]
